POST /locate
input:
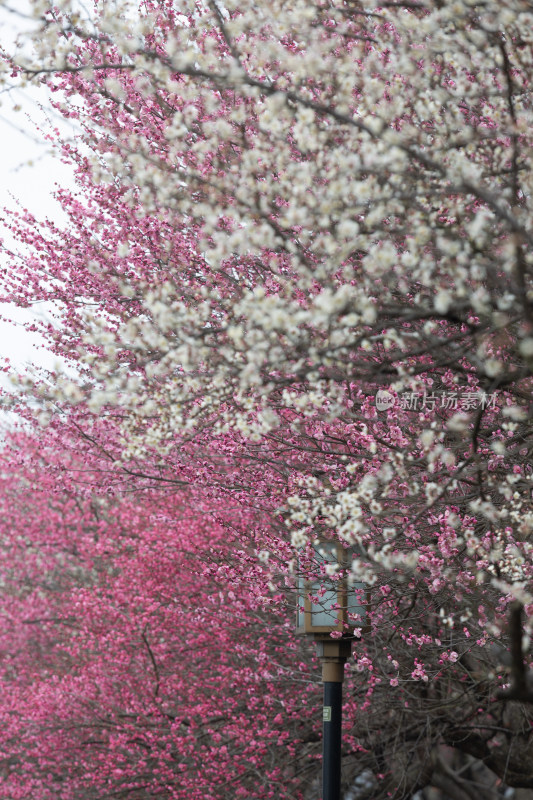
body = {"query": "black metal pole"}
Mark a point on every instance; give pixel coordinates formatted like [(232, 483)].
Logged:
[(331, 741)]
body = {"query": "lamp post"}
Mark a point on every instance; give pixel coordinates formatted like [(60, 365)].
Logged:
[(327, 605)]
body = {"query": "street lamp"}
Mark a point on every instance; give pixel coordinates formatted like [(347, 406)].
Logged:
[(328, 605)]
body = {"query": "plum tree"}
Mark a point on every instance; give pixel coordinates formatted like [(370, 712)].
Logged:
[(297, 276)]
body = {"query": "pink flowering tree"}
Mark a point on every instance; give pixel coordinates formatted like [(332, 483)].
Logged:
[(297, 272), (141, 653)]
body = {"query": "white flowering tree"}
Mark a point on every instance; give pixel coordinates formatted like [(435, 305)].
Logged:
[(299, 266)]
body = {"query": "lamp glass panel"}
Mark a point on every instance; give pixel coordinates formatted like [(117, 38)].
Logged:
[(300, 613), (357, 603), (323, 611)]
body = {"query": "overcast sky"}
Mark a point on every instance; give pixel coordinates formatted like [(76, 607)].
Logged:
[(28, 175)]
